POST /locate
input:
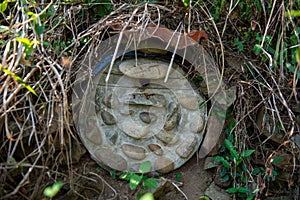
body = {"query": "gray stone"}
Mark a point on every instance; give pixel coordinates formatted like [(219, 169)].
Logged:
[(144, 70), (185, 149), (147, 117), (210, 163), (191, 103), (165, 187), (111, 159), (155, 148), (134, 130), (108, 118), (134, 152), (172, 117), (166, 137), (145, 99), (126, 111), (216, 193), (196, 126), (163, 165)]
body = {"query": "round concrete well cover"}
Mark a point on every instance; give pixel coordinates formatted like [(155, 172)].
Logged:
[(127, 112), (138, 117)]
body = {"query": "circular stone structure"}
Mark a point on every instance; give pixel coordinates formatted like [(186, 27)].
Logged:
[(139, 117)]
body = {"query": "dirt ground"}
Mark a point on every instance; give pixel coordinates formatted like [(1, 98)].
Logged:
[(193, 182)]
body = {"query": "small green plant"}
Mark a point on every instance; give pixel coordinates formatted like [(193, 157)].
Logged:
[(178, 176), (18, 79), (239, 44), (142, 180), (203, 197), (52, 190), (186, 3), (147, 196), (234, 161)]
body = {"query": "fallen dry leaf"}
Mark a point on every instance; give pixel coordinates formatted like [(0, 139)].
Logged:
[(197, 35), (66, 61)]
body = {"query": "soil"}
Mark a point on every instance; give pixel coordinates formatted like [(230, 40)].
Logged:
[(193, 182)]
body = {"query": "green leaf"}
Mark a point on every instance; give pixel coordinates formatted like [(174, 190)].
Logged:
[(274, 173), (47, 44), (293, 13), (25, 41), (12, 160), (200, 78), (204, 197), (145, 167), (232, 190), (28, 45), (186, 3), (242, 190), (178, 176), (280, 126), (247, 153), (231, 149), (3, 6), (147, 196), (134, 181), (125, 176), (225, 178), (39, 29), (255, 191), (276, 160), (151, 183), (18, 79), (239, 44), (255, 171), (223, 161), (34, 17), (250, 197), (257, 49), (98, 169), (3, 28), (112, 174), (237, 190), (298, 55), (202, 104), (51, 191)]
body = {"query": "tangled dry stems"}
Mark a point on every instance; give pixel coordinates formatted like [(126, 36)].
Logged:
[(37, 131)]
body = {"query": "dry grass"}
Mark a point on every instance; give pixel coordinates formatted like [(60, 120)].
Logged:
[(37, 133)]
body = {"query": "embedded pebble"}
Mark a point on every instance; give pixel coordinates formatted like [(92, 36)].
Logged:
[(111, 159), (155, 148), (191, 103), (166, 137), (126, 111), (134, 152), (196, 126), (147, 117), (134, 130), (111, 135), (108, 118), (144, 70), (163, 165), (146, 99), (186, 148), (172, 117)]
